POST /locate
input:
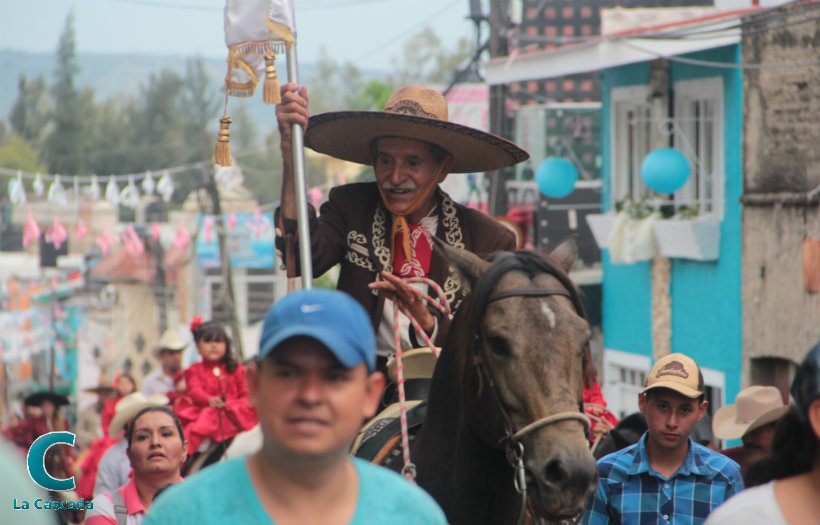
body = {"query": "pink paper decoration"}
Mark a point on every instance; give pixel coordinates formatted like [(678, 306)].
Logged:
[(105, 241), (82, 230), (315, 196), (209, 229), (183, 238), (31, 231), (155, 231), (56, 234), (132, 241), (231, 221), (259, 224)]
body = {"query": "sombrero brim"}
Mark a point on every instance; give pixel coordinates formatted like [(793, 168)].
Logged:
[(348, 135), (37, 399)]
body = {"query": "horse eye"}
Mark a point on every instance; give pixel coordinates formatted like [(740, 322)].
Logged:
[(499, 346)]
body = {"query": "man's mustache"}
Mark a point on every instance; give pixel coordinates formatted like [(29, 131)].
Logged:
[(406, 185)]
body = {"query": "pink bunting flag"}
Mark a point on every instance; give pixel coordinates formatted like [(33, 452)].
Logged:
[(155, 231), (82, 229), (31, 231), (105, 241), (132, 241), (183, 238), (231, 221), (56, 234), (209, 229), (259, 224)]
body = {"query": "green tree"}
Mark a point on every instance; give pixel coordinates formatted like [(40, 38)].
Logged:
[(64, 148), (425, 61), (19, 154), (29, 115)]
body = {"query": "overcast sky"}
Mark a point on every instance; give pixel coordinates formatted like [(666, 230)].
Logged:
[(368, 32)]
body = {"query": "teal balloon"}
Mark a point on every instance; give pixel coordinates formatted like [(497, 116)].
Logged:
[(556, 177), (665, 170)]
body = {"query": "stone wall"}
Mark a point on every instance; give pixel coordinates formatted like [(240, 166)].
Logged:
[(781, 165)]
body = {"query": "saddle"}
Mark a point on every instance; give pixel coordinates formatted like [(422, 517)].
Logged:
[(380, 438)]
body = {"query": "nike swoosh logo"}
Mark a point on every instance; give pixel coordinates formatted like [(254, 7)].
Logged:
[(310, 308)]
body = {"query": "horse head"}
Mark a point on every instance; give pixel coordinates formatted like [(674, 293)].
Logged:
[(529, 340)]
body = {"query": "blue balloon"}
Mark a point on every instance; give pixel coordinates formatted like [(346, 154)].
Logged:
[(556, 177), (665, 170)]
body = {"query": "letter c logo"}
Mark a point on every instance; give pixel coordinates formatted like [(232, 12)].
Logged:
[(36, 461)]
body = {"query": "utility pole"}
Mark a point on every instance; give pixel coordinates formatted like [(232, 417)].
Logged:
[(499, 22), (226, 295)]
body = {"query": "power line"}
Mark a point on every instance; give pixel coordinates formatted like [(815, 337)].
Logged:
[(396, 38)]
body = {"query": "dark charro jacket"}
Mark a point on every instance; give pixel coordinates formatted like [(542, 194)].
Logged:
[(354, 227)]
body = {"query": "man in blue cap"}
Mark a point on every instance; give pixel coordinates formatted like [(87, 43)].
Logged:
[(314, 385)]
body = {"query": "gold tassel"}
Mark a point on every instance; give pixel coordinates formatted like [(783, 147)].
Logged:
[(222, 149), (271, 93)]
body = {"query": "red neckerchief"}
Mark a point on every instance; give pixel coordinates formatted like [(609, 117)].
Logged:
[(421, 252)]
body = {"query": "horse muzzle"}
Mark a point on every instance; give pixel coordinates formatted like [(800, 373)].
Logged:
[(559, 488)]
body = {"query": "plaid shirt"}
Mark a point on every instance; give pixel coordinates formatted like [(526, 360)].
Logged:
[(631, 492)]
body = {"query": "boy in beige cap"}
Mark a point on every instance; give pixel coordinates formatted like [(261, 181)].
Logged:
[(665, 477)]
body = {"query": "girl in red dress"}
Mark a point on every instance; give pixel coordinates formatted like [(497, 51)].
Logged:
[(215, 406)]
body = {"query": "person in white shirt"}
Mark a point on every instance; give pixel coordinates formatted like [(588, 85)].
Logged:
[(169, 352), (786, 485)]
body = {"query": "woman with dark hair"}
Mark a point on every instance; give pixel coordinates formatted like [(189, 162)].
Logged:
[(215, 406), (786, 485), (156, 450)]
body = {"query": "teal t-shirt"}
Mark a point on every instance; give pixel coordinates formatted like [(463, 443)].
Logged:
[(223, 494)]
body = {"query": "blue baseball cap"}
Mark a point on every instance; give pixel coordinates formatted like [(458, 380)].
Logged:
[(331, 317)]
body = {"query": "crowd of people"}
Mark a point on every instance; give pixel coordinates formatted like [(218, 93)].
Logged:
[(319, 370)]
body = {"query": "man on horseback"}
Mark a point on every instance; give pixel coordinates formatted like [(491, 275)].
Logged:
[(381, 232), (313, 386)]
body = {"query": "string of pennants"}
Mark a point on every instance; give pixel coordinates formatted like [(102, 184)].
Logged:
[(136, 185)]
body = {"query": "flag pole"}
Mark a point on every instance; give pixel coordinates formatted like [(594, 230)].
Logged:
[(305, 259)]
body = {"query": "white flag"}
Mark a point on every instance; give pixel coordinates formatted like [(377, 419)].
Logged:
[(255, 30)]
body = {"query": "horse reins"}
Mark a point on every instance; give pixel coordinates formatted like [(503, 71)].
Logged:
[(515, 448)]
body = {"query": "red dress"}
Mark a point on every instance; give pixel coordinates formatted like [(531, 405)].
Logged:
[(209, 379), (108, 412)]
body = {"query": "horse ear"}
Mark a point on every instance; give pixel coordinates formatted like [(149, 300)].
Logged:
[(566, 253), (469, 265)]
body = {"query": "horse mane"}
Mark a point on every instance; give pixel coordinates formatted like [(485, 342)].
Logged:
[(474, 305)]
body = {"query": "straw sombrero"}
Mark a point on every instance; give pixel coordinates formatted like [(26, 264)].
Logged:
[(127, 408), (754, 407), (414, 112)]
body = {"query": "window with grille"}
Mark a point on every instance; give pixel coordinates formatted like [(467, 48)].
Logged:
[(699, 136)]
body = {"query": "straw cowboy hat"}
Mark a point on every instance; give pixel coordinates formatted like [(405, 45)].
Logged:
[(170, 340), (754, 407), (105, 386), (127, 408), (413, 112)]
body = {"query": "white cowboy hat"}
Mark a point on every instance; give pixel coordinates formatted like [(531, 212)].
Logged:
[(754, 407), (127, 408), (415, 112), (171, 340)]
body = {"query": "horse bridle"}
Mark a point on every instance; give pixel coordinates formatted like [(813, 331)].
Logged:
[(515, 448)]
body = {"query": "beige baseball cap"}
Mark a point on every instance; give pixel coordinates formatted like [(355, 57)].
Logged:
[(676, 372)]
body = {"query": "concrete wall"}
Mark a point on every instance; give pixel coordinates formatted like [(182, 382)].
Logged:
[(781, 155)]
